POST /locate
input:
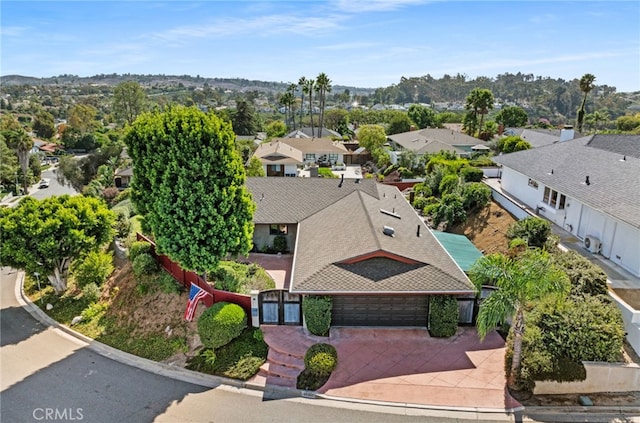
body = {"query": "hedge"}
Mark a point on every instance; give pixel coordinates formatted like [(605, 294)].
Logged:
[(139, 247), (321, 359), (220, 324), (145, 264), (443, 315), (317, 314)]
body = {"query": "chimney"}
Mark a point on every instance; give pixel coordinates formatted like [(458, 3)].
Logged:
[(567, 133)]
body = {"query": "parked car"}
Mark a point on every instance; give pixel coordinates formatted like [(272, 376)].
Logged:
[(44, 183)]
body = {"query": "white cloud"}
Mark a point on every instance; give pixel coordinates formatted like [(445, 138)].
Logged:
[(359, 6), (13, 31)]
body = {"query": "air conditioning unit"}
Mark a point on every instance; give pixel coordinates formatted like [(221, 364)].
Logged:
[(592, 244)]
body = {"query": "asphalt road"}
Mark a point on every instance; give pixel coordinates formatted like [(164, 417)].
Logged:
[(54, 186), (48, 375)]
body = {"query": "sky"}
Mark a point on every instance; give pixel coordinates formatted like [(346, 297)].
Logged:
[(358, 43)]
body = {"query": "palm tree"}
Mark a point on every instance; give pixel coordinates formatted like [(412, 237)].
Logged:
[(292, 89), (600, 116), (479, 102), (302, 82), (323, 86), (286, 100), (586, 85), (519, 280), (22, 143), (308, 89)]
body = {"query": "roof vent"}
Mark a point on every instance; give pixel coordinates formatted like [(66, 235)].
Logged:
[(586, 181), (388, 230), (391, 213)]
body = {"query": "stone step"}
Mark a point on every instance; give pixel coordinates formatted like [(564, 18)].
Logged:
[(285, 359), (274, 369)]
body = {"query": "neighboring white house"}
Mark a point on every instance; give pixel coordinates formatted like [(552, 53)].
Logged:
[(589, 186), (279, 159), (433, 140), (317, 150)]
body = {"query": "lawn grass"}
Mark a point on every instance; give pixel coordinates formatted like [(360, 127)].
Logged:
[(239, 359)]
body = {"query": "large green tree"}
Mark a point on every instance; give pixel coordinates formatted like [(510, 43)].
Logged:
[(478, 103), (44, 125), (46, 236), (244, 119), (82, 117), (512, 117), (129, 100), (586, 85), (423, 117), (189, 182), (519, 281)]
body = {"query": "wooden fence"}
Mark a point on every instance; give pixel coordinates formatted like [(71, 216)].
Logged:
[(186, 278)]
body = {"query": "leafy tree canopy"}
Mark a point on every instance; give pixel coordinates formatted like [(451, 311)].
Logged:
[(46, 236), (189, 181), (129, 100), (512, 116)]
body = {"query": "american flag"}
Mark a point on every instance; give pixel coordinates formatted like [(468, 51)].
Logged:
[(195, 295)]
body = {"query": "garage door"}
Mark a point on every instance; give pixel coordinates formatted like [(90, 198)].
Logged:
[(365, 310)]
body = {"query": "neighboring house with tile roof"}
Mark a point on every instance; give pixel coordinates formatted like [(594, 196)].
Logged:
[(433, 140), (589, 186), (360, 243), (279, 159)]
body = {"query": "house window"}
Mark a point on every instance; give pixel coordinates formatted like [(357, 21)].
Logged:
[(554, 198), (333, 158), (310, 157), (533, 184), (278, 229)]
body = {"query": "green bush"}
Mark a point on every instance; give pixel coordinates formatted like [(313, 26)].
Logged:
[(443, 315), (421, 190), (321, 359), (168, 284), (145, 264), (471, 174), (139, 247), (91, 292), (475, 195), (450, 210), (448, 184), (533, 229), (221, 323), (122, 225), (317, 314), (93, 310), (241, 278), (280, 244), (585, 277), (94, 268)]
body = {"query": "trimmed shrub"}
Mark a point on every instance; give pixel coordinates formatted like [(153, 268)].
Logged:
[(443, 315), (94, 268), (533, 229), (451, 210), (317, 314), (145, 264), (321, 359), (220, 324), (241, 278), (475, 195), (471, 174), (585, 277), (139, 247), (280, 244)]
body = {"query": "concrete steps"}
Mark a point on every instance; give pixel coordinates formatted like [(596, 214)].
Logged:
[(282, 368)]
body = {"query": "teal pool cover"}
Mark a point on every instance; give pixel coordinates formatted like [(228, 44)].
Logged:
[(460, 248)]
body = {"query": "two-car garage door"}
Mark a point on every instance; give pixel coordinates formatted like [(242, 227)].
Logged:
[(380, 310)]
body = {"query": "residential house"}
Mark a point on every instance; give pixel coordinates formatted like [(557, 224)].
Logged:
[(588, 186), (307, 132), (122, 177), (362, 244), (539, 137), (433, 140), (317, 150), (279, 159)]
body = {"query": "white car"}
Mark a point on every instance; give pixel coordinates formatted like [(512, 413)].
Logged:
[(44, 183)]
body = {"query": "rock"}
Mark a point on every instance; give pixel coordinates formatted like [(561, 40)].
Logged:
[(168, 331), (76, 320), (49, 306)]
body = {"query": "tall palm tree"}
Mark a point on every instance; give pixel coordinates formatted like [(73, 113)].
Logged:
[(479, 101), (323, 86), (292, 90), (600, 116), (21, 142), (308, 89), (586, 85), (302, 82), (519, 280), (286, 100)]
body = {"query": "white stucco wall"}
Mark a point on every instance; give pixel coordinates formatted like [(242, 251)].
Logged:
[(517, 185)]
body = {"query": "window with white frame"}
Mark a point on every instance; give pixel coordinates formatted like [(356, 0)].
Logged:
[(333, 158), (310, 157), (554, 198)]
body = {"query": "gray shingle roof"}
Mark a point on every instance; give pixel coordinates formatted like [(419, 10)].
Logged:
[(432, 140), (314, 145), (614, 184), (290, 200), (351, 229)]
